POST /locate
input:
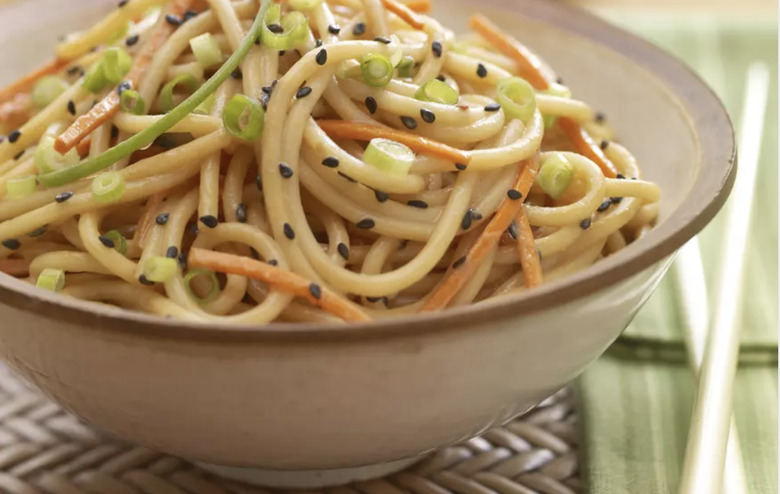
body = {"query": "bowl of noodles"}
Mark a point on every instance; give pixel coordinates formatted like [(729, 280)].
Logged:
[(311, 241)]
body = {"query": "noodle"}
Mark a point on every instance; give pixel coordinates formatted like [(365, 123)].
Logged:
[(299, 223)]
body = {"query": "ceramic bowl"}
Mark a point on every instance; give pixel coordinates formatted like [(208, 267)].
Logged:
[(292, 398)]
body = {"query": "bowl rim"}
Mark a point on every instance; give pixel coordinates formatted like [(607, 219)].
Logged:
[(717, 156)]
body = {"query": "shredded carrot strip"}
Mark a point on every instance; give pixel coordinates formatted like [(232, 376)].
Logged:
[(27, 81), (585, 145), (83, 147), (527, 253), (148, 218), (361, 131), (279, 278), (404, 12), (109, 106), (458, 275), (418, 6), (14, 267), (529, 66)]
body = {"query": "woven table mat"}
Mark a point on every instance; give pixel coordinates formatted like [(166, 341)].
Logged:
[(44, 450)]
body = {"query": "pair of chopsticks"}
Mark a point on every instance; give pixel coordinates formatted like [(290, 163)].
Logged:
[(712, 455)]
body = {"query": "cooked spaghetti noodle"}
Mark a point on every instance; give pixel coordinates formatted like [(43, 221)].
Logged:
[(309, 161)]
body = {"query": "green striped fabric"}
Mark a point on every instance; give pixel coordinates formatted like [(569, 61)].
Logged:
[(636, 401)]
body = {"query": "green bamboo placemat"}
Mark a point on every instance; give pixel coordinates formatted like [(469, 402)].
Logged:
[(636, 401)]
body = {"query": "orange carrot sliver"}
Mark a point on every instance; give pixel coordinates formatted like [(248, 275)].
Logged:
[(109, 106), (27, 81), (585, 145), (148, 217), (527, 253), (529, 66), (278, 278), (404, 12), (463, 269), (419, 6), (361, 131), (14, 267)]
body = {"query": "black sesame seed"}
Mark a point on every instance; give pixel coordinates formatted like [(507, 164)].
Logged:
[(189, 14), (209, 220), (64, 196), (343, 251), (268, 90), (366, 224), (285, 170), (264, 98), (172, 252), (604, 205), (427, 115), (493, 107), (73, 70), (288, 231), (441, 78), (417, 204), (460, 166), (322, 57), (371, 105), (513, 231), (334, 29), (275, 28), (585, 224), (19, 155), (241, 213), (14, 136), (382, 39), (259, 182), (71, 107), (315, 291), (122, 3), (620, 176), (273, 262), (318, 43), (616, 200), (145, 281), (409, 123), (173, 20), (344, 175), (460, 262), (132, 40), (123, 86), (359, 29), (381, 196), (375, 300), (604, 145), (182, 260), (465, 223), (331, 162), (436, 48), (600, 117), (303, 92), (162, 218), (482, 71), (514, 195), (106, 241), (11, 244), (37, 232), (237, 74)]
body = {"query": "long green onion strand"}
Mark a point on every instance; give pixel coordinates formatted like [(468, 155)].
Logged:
[(377, 69), (120, 242), (213, 290), (148, 135), (21, 187), (108, 187), (244, 117), (46, 90), (165, 101), (132, 102), (436, 91), (295, 28), (160, 269), (51, 279), (555, 175), (517, 98), (389, 156)]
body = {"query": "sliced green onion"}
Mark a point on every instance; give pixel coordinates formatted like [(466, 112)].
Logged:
[(160, 269), (406, 66), (95, 80), (560, 91), (116, 64), (21, 187), (51, 279), (206, 107), (305, 4), (47, 160), (437, 91), (244, 117), (132, 102), (516, 96), (206, 50), (108, 187), (120, 242), (212, 279), (555, 175), (295, 28), (165, 102), (389, 156), (46, 90), (377, 69), (148, 135)]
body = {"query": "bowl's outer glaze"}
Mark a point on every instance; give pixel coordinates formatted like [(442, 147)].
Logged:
[(317, 397)]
